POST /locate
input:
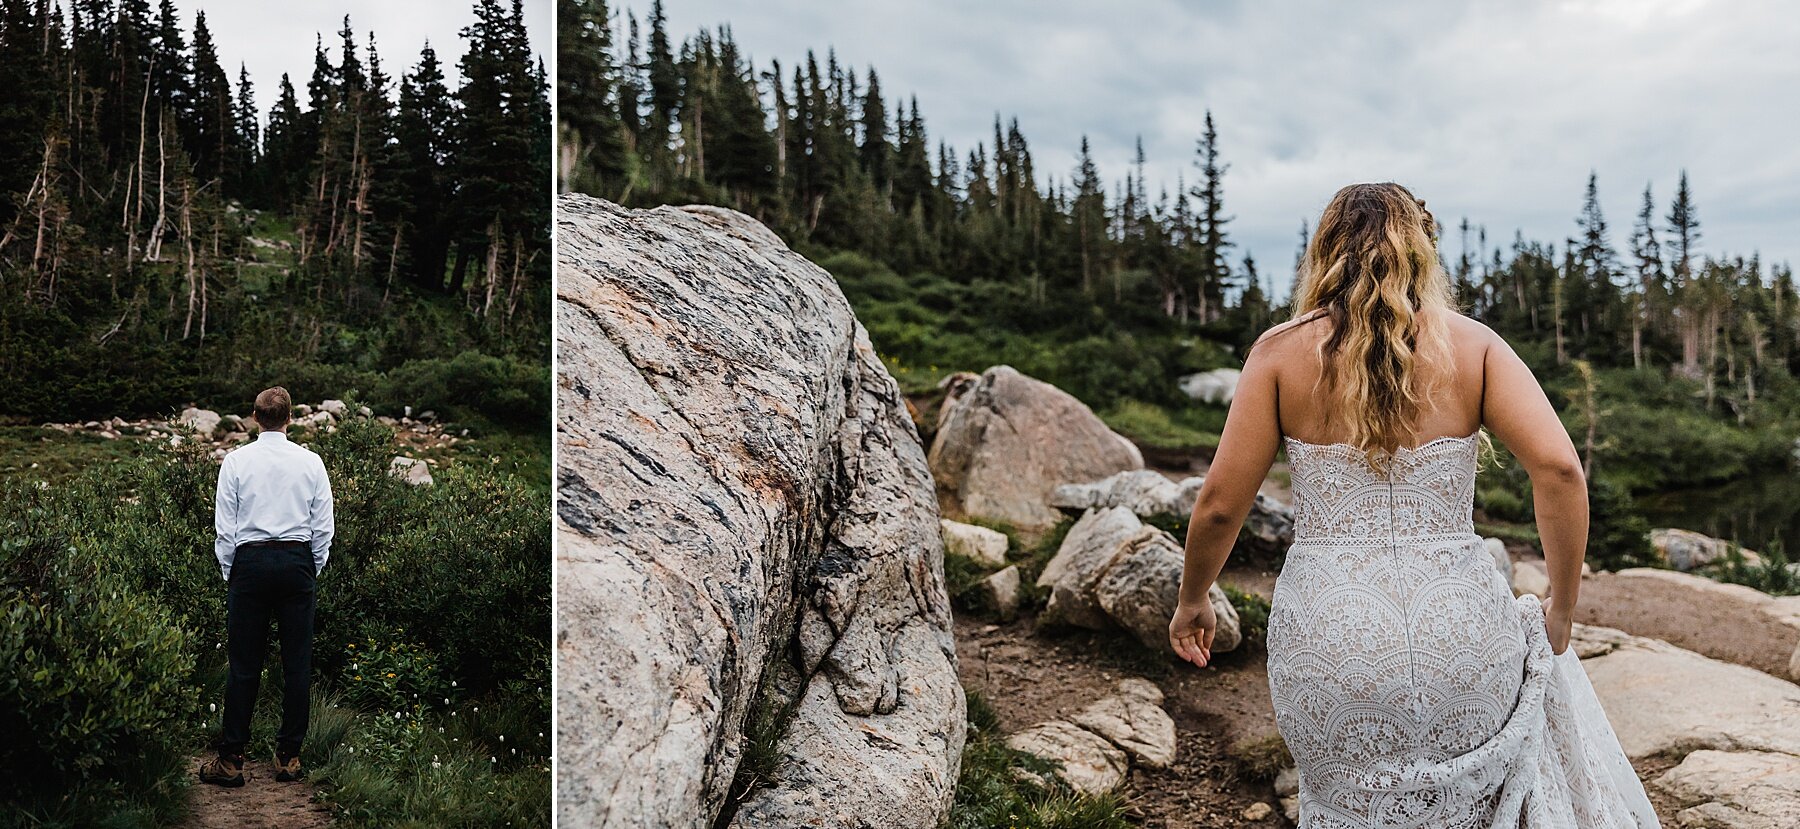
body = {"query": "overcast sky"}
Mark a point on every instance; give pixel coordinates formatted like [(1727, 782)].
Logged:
[(274, 36), (1491, 110)]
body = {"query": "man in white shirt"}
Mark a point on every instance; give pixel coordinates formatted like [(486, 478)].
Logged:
[(274, 525)]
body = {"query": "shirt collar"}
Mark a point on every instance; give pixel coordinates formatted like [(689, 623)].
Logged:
[(271, 435)]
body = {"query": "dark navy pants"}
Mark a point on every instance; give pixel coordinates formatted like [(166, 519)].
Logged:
[(270, 581)]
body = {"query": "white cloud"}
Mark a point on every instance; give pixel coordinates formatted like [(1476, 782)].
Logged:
[(270, 37), (1492, 110)]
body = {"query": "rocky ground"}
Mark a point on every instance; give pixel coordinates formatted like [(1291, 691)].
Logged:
[(1712, 758), (419, 441), (1030, 677)]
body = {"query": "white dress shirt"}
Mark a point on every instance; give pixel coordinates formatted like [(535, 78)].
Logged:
[(272, 490)]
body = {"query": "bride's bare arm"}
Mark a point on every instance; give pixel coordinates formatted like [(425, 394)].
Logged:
[(1246, 450), (1515, 409)]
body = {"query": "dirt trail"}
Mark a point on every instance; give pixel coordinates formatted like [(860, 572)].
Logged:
[(261, 803)]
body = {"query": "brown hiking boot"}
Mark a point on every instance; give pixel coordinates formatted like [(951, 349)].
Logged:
[(223, 770), (287, 768)]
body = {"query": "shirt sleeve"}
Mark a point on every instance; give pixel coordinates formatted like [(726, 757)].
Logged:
[(324, 525), (225, 519)]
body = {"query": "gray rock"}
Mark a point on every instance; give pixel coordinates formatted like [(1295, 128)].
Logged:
[(1113, 571), (1648, 688), (1004, 441), (1287, 782), (1133, 719), (1090, 764), (233, 423), (1000, 592), (1216, 387), (1268, 528), (411, 470), (302, 409), (1752, 789), (1530, 576), (980, 544), (1687, 550), (335, 408), (202, 421), (1502, 559), (744, 513)]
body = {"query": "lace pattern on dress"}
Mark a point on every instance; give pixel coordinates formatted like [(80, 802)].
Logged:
[(1411, 687)]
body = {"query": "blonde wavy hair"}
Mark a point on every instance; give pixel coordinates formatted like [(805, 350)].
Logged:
[(1372, 269)]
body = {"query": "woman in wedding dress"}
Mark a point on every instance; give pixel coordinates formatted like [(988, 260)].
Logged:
[(1411, 687)]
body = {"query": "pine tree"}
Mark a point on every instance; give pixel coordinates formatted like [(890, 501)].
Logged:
[(593, 159), (1684, 228), (875, 151), (1214, 242), (1090, 217), (665, 77), (212, 119), (1647, 254), (1596, 254), (244, 165), (423, 128)]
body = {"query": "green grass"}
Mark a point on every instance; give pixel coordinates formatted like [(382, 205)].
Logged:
[(1522, 533), (525, 454), (34, 453), (1185, 429), (1000, 788)]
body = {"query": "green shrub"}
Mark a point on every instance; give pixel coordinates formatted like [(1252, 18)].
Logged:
[(112, 635), (1253, 613), (1773, 574), (1502, 504), (1618, 535)]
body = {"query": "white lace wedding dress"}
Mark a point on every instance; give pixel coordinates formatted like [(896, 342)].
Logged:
[(1411, 687)]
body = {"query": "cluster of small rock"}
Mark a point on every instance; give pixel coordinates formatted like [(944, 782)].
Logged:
[(223, 431), (1268, 529), (1098, 745)]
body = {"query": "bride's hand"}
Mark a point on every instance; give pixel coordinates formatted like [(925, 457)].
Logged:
[(1558, 622), (1191, 632)]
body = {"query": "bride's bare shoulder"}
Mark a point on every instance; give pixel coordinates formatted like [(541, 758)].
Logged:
[(1296, 331), (1466, 330)]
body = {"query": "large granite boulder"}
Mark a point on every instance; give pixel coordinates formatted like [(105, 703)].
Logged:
[(1004, 441), (1113, 571), (202, 422), (1759, 789), (1648, 688), (747, 524), (1687, 550), (1268, 528)]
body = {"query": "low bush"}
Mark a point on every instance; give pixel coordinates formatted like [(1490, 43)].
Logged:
[(111, 641)]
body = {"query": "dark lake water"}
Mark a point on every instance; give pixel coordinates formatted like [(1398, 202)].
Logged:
[(1752, 510)]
